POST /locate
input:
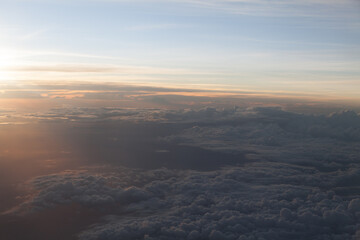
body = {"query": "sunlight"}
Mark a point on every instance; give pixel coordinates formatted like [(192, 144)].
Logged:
[(7, 61), (4, 75)]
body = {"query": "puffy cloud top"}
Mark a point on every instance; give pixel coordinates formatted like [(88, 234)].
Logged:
[(301, 181), (256, 201)]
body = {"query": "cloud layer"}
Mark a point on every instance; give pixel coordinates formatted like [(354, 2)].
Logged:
[(258, 201), (301, 182)]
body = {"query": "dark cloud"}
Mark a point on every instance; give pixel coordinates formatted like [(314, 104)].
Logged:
[(259, 200), (278, 135), (299, 179)]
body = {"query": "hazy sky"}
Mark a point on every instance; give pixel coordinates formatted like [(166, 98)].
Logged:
[(307, 46), (169, 119)]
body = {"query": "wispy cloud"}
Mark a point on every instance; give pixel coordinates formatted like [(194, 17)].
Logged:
[(304, 8), (307, 8), (149, 27), (62, 68), (33, 35), (101, 68)]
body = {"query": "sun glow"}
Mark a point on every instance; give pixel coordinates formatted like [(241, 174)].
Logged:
[(4, 75), (7, 61)]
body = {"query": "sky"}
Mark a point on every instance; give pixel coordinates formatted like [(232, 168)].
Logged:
[(309, 47), (172, 120)]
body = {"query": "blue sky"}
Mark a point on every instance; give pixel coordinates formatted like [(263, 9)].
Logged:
[(307, 47)]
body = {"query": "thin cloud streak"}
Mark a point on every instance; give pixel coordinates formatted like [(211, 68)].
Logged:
[(314, 8), (278, 8)]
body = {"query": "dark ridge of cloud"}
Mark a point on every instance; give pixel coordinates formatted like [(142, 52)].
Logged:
[(274, 133), (230, 116), (155, 89)]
